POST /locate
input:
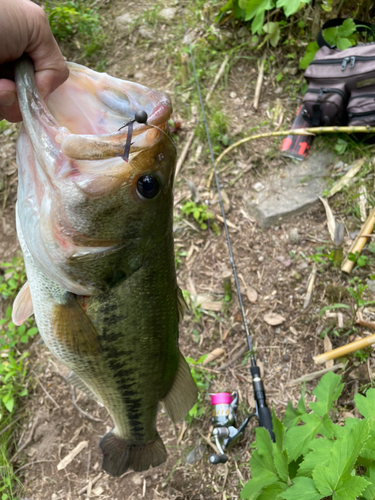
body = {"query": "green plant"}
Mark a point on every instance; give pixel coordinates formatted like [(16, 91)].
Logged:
[(76, 20), (202, 379), (199, 211), (314, 458)]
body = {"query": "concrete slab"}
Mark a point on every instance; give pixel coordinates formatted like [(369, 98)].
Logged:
[(291, 190)]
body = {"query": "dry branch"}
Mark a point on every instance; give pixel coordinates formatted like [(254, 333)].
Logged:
[(71, 456), (360, 241), (219, 74), (314, 375), (258, 87), (185, 151), (345, 349)]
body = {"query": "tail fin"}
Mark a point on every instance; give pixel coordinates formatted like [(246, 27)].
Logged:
[(119, 456)]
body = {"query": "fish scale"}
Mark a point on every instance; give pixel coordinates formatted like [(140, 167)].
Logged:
[(99, 256)]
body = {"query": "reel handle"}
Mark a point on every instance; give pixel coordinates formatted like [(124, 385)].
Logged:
[(218, 459)]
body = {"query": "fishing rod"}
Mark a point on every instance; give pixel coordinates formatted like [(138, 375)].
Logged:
[(225, 407)]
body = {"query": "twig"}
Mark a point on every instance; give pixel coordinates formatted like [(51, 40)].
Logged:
[(258, 87), (72, 455), (213, 446), (314, 375), (182, 157), (29, 438), (93, 481), (345, 349), (217, 77), (310, 288), (45, 391), (367, 324), (31, 463), (360, 241), (346, 179), (238, 354), (78, 408)]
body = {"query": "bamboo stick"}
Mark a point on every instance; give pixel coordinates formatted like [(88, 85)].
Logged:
[(258, 87), (297, 131), (360, 241), (184, 68), (345, 349)]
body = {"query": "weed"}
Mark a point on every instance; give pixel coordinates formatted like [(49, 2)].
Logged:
[(75, 21), (202, 379), (318, 459), (199, 211), (177, 256)]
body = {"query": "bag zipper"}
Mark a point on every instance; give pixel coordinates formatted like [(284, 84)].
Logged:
[(365, 113), (344, 61), (326, 91)]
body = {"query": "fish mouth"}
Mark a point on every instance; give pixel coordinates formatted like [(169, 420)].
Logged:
[(95, 129)]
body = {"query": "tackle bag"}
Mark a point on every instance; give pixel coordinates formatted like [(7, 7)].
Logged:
[(341, 82)]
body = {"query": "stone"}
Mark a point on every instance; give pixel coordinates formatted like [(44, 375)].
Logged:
[(258, 187), (146, 33), (286, 357), (371, 285), (124, 22), (195, 455), (168, 13), (290, 191), (294, 235), (232, 95)]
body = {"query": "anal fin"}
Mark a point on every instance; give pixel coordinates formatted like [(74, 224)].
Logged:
[(119, 455), (183, 393), (22, 306), (75, 380), (74, 329)]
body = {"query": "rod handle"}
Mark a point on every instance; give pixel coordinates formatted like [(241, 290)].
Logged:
[(218, 459), (265, 420)]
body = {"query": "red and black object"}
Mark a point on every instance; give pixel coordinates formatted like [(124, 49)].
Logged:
[(297, 146)]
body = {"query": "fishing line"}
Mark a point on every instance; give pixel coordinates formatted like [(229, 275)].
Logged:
[(262, 411)]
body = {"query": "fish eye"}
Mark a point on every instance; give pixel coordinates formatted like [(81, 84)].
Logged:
[(148, 186)]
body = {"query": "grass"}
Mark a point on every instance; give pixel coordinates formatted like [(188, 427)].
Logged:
[(14, 378)]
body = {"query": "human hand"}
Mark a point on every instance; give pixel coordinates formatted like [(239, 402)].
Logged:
[(24, 28)]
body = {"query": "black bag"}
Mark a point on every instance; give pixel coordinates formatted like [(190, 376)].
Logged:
[(341, 82)]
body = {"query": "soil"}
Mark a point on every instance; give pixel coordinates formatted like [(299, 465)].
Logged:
[(273, 267)]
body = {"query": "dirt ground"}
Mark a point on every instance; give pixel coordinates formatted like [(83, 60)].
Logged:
[(273, 266)]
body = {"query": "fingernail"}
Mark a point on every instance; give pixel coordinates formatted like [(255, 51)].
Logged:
[(7, 99)]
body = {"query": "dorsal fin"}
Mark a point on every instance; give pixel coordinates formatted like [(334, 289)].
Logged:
[(22, 306)]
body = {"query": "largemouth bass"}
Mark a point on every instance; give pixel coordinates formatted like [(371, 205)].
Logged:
[(97, 239)]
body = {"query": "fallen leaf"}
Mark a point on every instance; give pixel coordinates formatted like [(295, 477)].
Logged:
[(252, 294), (273, 319), (216, 353), (328, 347)]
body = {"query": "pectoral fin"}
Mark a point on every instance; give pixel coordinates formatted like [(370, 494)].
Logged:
[(75, 380), (74, 330), (183, 393), (182, 307), (22, 306)]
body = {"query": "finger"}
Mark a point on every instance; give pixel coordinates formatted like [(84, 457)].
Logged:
[(9, 109), (50, 67)]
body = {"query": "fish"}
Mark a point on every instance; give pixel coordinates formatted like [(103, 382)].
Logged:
[(97, 239)]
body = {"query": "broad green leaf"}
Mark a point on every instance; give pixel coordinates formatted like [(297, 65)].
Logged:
[(319, 454), (344, 454), (256, 25), (350, 488), (321, 478), (270, 492), (343, 43), (366, 404), (262, 459), (291, 416), (253, 488), (330, 35), (327, 391), (327, 429), (311, 50), (254, 7), (347, 28), (279, 431), (297, 439), (281, 463), (301, 403), (291, 6), (302, 489), (369, 492), (273, 31)]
